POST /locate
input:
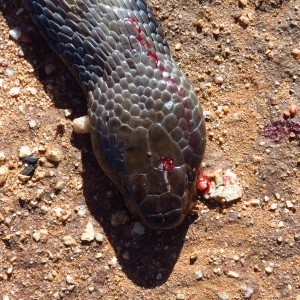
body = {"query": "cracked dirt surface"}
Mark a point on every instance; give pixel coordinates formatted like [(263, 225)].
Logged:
[(241, 57)]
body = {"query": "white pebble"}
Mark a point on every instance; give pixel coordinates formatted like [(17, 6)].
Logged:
[(68, 240), (99, 237), (15, 91), (53, 155), (138, 228), (3, 174), (24, 152), (50, 69), (89, 233), (32, 124), (36, 236), (15, 33), (198, 275), (82, 125), (9, 72), (219, 79)]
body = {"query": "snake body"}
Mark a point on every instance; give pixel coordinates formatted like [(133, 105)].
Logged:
[(147, 126)]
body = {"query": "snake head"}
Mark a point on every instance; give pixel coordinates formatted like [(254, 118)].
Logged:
[(159, 185)]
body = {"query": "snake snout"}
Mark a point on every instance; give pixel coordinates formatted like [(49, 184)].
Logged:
[(161, 212)]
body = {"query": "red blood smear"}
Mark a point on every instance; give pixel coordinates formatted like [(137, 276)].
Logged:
[(168, 164), (154, 57), (279, 129)]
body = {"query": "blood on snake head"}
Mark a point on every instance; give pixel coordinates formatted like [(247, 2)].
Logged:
[(158, 186)]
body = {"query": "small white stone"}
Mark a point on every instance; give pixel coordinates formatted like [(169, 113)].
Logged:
[(2, 156), (99, 237), (82, 125), (60, 185), (68, 240), (3, 174), (233, 274), (9, 72), (24, 152), (269, 270), (69, 279), (5, 297), (113, 262), (89, 233), (219, 79), (53, 155), (273, 206), (36, 236), (32, 90), (68, 112), (81, 211), (50, 69), (198, 275), (15, 91), (180, 297), (15, 33), (32, 123), (138, 228)]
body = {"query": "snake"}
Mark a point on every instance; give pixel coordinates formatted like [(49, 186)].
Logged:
[(147, 126)]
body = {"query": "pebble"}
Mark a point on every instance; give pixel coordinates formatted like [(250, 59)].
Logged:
[(273, 206), (2, 156), (180, 297), (178, 47), (32, 124), (50, 69), (44, 209), (277, 196), (293, 110), (289, 204), (15, 33), (81, 211), (218, 79), (113, 262), (68, 112), (3, 174), (68, 240), (89, 233), (244, 20), (119, 218), (138, 228), (269, 270), (247, 292), (36, 236), (5, 297), (53, 155), (24, 152), (69, 279), (99, 237), (243, 2), (60, 185), (15, 91), (232, 274), (255, 202), (223, 296), (9, 72), (296, 53), (82, 125), (198, 275)]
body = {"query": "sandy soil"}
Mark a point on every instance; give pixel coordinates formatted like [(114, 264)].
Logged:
[(241, 57)]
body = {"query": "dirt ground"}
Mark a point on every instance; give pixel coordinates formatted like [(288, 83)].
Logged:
[(242, 58)]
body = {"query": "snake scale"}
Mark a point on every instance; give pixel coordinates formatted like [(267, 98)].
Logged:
[(147, 126)]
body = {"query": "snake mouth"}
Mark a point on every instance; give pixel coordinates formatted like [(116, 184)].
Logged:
[(161, 212), (163, 221)]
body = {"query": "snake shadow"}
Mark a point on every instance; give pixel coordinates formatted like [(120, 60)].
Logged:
[(147, 259)]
